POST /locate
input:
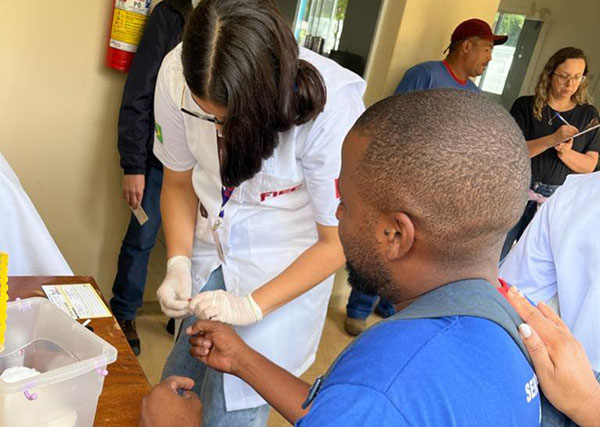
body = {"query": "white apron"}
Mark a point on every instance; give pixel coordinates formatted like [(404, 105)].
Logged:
[(270, 219)]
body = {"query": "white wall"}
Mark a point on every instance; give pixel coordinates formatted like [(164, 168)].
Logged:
[(566, 23)]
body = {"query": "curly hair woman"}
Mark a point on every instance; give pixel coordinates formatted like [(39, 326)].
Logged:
[(560, 108)]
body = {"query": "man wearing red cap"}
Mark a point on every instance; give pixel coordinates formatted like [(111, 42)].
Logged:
[(469, 53)]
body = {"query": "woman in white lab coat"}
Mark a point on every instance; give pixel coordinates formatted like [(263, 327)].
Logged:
[(249, 129)]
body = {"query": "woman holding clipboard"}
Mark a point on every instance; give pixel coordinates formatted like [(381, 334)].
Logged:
[(551, 121)]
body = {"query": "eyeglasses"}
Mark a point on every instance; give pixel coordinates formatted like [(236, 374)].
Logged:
[(200, 116), (211, 119), (565, 78)]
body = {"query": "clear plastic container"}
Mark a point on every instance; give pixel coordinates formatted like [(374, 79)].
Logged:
[(71, 360)]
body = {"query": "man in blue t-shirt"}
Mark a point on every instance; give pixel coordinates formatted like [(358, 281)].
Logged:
[(469, 53), (415, 219)]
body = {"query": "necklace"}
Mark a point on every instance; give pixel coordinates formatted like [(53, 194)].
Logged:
[(550, 116)]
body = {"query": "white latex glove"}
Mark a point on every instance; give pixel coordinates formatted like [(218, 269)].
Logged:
[(226, 307), (176, 289)]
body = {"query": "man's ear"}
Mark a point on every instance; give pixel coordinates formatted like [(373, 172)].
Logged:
[(400, 237), (466, 45)]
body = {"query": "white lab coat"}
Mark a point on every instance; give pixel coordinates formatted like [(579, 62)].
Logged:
[(560, 252), (270, 219), (23, 235)]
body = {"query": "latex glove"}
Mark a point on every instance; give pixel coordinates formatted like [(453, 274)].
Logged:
[(176, 289), (226, 307)]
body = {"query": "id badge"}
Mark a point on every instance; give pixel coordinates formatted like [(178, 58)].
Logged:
[(215, 230)]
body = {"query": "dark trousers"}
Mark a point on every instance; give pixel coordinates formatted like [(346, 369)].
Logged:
[(360, 305), (128, 287), (515, 233)]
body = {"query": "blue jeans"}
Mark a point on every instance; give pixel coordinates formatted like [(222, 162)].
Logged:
[(128, 287), (515, 233), (530, 209), (360, 305), (208, 382)]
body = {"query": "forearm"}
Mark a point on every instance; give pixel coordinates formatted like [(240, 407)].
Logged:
[(178, 207), (282, 390), (313, 266), (578, 162), (539, 145), (588, 414)]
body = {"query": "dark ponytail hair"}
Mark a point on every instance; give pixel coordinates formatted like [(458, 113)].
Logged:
[(241, 55)]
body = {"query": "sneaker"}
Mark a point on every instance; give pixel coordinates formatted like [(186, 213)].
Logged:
[(171, 326), (355, 326), (128, 327)]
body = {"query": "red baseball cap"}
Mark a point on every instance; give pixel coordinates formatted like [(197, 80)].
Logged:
[(476, 28)]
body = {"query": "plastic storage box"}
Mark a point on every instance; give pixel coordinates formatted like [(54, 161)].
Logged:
[(72, 364)]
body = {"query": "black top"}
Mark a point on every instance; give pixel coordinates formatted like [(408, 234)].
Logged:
[(136, 116), (547, 167)]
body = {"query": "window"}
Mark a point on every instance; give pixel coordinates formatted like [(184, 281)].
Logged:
[(494, 78), (319, 24)]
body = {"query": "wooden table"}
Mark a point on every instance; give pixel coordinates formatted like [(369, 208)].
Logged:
[(121, 399)]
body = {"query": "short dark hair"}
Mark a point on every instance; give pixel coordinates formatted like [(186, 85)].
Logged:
[(452, 160), (455, 46), (240, 54)]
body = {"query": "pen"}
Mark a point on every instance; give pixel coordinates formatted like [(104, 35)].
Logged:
[(561, 118)]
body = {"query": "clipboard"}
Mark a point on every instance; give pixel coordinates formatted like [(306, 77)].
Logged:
[(580, 133)]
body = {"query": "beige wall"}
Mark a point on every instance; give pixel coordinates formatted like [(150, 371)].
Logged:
[(413, 31), (59, 105), (58, 118), (566, 23)]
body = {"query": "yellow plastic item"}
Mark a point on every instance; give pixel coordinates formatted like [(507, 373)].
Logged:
[(3, 296)]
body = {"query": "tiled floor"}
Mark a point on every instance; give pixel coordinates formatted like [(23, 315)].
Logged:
[(156, 344)]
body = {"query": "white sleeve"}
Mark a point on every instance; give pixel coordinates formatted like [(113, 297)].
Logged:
[(170, 144), (24, 236), (322, 153), (530, 264)]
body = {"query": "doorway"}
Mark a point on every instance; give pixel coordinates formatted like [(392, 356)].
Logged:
[(503, 78)]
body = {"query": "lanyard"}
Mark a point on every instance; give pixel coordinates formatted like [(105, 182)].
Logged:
[(226, 193)]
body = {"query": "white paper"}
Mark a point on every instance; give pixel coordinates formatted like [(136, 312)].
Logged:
[(140, 214), (79, 301)]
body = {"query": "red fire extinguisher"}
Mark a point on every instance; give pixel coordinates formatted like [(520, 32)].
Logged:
[(126, 29)]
